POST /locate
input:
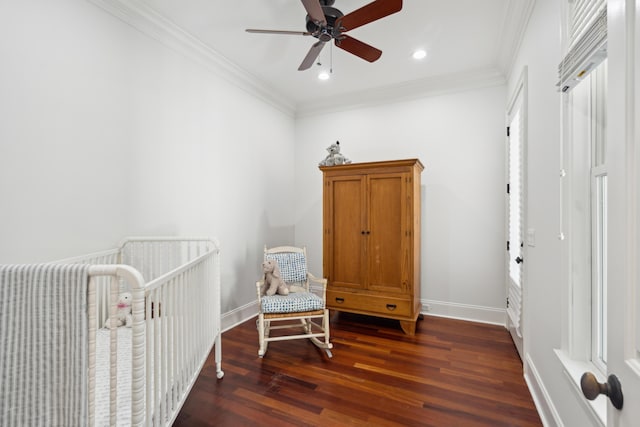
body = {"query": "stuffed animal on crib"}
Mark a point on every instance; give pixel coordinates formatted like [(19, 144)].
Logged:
[(334, 157), (124, 317), (273, 282)]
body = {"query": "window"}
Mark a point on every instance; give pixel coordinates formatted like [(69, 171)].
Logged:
[(585, 216), (583, 73), (598, 217)]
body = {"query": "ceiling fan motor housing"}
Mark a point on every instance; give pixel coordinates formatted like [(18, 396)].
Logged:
[(331, 14)]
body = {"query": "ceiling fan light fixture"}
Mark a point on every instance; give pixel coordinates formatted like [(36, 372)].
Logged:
[(324, 75), (419, 54)]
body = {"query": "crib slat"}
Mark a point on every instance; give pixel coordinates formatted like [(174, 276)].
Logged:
[(91, 312), (113, 356), (138, 357), (170, 317), (156, 365), (149, 367), (181, 334), (163, 367)]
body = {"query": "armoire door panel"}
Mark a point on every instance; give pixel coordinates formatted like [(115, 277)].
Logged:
[(385, 240), (347, 232)]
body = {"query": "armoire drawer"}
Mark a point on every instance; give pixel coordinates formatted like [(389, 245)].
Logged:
[(368, 303)]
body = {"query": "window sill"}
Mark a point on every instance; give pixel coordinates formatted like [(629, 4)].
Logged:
[(573, 370)]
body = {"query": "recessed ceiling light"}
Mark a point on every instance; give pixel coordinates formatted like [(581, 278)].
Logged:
[(323, 75), (419, 54)]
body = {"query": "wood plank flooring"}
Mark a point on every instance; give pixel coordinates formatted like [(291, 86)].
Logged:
[(451, 373)]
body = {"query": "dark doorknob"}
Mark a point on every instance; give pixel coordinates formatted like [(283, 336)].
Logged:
[(591, 388), (519, 260)]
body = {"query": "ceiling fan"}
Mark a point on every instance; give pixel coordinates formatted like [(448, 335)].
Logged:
[(325, 23)]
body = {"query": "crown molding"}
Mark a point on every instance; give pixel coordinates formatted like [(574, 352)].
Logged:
[(432, 86), (516, 19), (151, 23)]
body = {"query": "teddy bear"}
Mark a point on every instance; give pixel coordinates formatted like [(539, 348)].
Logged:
[(334, 157), (274, 283), (273, 279), (124, 312)]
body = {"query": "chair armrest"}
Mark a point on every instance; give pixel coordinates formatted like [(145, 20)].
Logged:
[(319, 280)]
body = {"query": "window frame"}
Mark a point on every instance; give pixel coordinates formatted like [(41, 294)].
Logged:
[(579, 217), (576, 177)]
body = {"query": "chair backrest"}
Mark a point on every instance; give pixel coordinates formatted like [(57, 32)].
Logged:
[(291, 260)]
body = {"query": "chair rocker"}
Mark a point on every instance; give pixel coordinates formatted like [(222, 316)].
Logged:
[(303, 314)]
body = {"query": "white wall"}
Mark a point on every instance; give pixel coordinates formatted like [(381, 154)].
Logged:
[(459, 137), (540, 52), (64, 140), (106, 132)]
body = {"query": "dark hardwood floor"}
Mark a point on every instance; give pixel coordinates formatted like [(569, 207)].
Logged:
[(451, 373)]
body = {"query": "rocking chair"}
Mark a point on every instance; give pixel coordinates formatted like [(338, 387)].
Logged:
[(302, 313)]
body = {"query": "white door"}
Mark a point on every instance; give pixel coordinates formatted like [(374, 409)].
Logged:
[(516, 117), (623, 210)]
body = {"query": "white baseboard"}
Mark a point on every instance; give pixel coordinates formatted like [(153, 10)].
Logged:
[(239, 315), (474, 313), (547, 411)]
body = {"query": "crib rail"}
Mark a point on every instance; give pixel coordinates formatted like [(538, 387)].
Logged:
[(110, 256), (154, 256)]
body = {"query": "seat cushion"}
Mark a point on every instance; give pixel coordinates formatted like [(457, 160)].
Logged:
[(293, 265), (292, 303)]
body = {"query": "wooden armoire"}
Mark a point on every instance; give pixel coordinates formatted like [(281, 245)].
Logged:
[(371, 239)]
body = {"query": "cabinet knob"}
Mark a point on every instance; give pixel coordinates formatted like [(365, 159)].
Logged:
[(391, 307), (339, 300)]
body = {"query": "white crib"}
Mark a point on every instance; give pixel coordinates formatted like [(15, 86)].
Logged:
[(145, 372)]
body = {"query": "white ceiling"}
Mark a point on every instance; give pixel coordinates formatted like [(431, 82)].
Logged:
[(464, 40)]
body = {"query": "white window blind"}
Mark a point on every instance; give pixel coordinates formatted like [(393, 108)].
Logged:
[(588, 42), (582, 14)]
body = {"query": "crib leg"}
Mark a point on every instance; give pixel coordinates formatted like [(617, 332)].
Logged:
[(218, 356)]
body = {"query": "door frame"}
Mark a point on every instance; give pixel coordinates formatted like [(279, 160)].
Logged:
[(519, 97), (623, 158)]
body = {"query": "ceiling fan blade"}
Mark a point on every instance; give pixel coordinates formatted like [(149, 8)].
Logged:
[(296, 33), (315, 11), (358, 48), (368, 13), (313, 53)]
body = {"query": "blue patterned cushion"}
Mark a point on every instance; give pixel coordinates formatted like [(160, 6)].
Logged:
[(292, 303), (293, 266)]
